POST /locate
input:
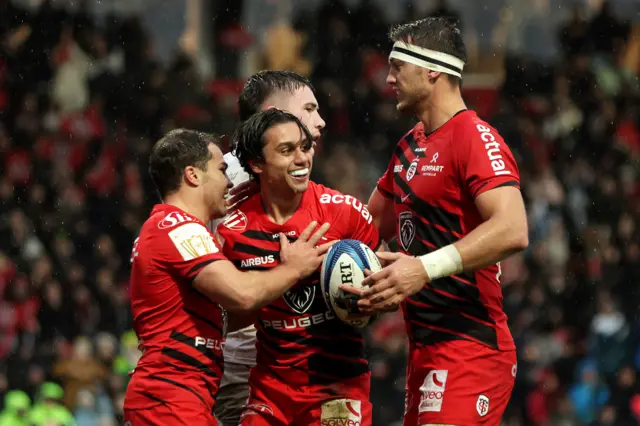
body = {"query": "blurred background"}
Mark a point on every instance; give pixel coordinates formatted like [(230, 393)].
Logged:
[(86, 87)]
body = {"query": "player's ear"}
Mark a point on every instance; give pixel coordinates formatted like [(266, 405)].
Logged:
[(433, 75), (191, 176), (270, 107), (256, 167)]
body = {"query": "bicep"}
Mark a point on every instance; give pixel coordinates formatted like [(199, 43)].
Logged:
[(384, 217), (504, 203), (220, 282)]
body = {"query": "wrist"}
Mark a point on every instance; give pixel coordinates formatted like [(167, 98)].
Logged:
[(442, 263)]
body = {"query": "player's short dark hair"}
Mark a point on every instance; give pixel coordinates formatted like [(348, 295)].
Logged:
[(176, 150), (435, 33), (264, 84), (249, 141)]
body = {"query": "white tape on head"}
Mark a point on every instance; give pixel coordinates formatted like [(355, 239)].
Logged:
[(427, 58)]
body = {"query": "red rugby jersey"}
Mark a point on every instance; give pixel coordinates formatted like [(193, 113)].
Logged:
[(180, 328), (299, 340), (433, 180)]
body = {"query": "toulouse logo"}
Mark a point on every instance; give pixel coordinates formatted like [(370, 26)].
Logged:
[(236, 221), (411, 172), (300, 299), (407, 230)]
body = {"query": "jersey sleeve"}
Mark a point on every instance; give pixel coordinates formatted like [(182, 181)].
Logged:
[(385, 183), (486, 162), (191, 247)]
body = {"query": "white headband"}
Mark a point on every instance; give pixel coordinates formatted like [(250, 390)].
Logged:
[(426, 58)]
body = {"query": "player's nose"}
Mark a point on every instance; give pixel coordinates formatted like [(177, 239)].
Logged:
[(391, 79), (320, 123)]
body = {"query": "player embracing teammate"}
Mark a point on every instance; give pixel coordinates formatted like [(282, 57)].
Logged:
[(451, 194)]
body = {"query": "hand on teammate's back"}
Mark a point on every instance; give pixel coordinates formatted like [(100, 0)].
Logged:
[(304, 254), (241, 192)]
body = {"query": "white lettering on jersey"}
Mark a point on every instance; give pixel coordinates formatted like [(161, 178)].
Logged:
[(193, 240), (493, 151), (348, 200), (209, 343), (173, 219), (433, 389), (257, 261), (298, 322)]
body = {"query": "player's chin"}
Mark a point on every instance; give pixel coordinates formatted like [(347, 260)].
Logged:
[(299, 184)]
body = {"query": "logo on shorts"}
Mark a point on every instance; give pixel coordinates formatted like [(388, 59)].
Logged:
[(482, 405), (407, 229), (433, 391), (300, 299), (341, 412), (128, 423), (514, 370)]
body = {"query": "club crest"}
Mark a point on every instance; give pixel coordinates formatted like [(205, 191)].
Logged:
[(407, 230), (300, 299)]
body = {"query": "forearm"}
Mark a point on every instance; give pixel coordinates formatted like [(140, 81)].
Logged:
[(490, 243), (258, 289)]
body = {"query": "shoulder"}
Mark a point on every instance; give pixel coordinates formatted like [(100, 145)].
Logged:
[(340, 205), (165, 219), (249, 211), (474, 128)]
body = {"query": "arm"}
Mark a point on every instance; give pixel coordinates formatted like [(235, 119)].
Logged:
[(503, 231), (220, 280), (381, 208)]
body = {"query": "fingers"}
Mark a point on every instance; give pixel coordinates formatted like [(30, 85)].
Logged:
[(322, 249), (304, 236), (351, 289), (315, 238), (373, 278), (388, 256), (284, 242)]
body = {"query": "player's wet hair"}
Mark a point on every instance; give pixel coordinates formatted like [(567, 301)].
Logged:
[(436, 33), (264, 84), (249, 141), (176, 150)]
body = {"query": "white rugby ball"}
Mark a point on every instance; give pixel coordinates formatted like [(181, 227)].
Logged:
[(344, 264)]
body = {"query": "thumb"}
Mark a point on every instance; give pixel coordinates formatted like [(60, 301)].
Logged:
[(388, 256)]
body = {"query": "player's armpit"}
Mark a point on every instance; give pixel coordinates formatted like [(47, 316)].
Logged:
[(382, 210), (237, 322), (503, 232)]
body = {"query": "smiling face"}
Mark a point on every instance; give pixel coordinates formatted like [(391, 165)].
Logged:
[(288, 159)]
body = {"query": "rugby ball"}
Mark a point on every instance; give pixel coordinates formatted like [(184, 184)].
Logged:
[(345, 263)]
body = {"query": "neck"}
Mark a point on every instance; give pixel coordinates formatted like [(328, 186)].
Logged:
[(279, 207), (445, 102), (188, 205)]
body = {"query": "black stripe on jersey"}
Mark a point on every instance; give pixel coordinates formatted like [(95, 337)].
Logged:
[(419, 248), (255, 251), (508, 183), (190, 341), (413, 145), (335, 346), (432, 336), (384, 192), (259, 235), (203, 319), (321, 366), (180, 385), (153, 398), (434, 215), (195, 270), (168, 364), (189, 360), (451, 321), (473, 307)]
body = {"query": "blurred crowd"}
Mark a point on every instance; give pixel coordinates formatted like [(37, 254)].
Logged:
[(81, 104)]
